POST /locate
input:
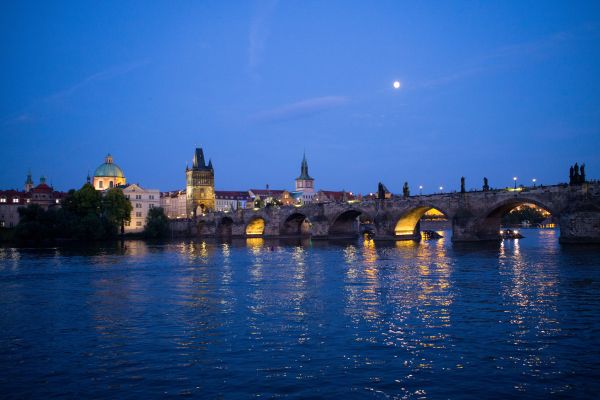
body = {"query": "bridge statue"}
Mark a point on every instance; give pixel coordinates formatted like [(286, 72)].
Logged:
[(486, 187), (405, 190), (462, 184)]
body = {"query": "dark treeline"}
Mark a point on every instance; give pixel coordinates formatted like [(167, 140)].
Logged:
[(86, 214)]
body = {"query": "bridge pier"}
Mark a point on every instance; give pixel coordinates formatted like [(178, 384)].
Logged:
[(580, 226)]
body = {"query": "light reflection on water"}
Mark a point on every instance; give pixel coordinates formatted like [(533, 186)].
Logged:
[(256, 317)]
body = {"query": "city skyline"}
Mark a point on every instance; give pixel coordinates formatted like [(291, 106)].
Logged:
[(257, 84)]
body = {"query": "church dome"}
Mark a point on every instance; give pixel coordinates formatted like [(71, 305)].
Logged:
[(109, 169)]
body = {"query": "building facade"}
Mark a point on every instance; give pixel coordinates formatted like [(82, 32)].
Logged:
[(305, 185), (200, 185), (108, 175), (231, 200), (42, 195), (142, 201), (269, 196), (174, 204)]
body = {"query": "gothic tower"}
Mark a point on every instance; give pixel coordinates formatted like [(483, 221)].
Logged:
[(200, 185)]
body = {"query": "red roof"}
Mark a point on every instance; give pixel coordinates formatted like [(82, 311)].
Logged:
[(42, 187), (233, 195), (267, 192)]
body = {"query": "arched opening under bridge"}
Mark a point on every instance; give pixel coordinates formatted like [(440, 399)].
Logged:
[(408, 226), (515, 215), (345, 224), (256, 227), (296, 224), (225, 227)]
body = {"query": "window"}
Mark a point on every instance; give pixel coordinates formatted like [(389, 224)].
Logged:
[(139, 223), (16, 200), (2, 224), (138, 214), (151, 197), (28, 201), (57, 201), (3, 200), (127, 196), (138, 205), (150, 205), (138, 196), (100, 184), (110, 184), (127, 223)]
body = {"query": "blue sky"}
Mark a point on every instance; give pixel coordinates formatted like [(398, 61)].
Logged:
[(492, 89)]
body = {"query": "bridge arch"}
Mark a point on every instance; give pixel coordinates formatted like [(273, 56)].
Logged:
[(491, 221), (255, 226), (296, 224), (346, 223), (407, 224)]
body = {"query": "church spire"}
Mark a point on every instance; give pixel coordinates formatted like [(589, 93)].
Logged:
[(304, 169)]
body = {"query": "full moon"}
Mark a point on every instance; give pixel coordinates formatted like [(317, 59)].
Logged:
[(396, 84)]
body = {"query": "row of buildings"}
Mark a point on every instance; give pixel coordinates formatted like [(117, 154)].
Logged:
[(198, 197)]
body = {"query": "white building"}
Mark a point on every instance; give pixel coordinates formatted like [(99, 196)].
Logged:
[(174, 203), (142, 200), (230, 200)]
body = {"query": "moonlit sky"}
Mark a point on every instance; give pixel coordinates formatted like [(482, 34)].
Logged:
[(496, 89)]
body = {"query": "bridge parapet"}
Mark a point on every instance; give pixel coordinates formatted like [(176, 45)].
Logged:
[(475, 216)]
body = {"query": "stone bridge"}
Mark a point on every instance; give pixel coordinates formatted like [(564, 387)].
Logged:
[(475, 216)]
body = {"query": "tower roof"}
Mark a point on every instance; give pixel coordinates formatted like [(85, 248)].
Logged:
[(304, 170), (198, 162)]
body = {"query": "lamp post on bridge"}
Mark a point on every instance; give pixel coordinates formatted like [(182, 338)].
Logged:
[(420, 190), (534, 181), (441, 189), (515, 179)]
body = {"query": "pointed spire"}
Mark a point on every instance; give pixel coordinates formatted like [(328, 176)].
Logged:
[(304, 169), (29, 180), (210, 166), (198, 162), (88, 179)]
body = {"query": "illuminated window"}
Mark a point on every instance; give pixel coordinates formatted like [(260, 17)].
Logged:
[(16, 200), (139, 223), (57, 201), (3, 200)]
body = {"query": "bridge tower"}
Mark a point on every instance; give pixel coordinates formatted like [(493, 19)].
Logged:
[(200, 185)]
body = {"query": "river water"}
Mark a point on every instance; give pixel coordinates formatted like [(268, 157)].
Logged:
[(255, 318)]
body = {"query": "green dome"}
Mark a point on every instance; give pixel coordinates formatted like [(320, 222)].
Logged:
[(109, 169)]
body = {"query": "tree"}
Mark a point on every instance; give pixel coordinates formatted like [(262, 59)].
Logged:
[(116, 209), (157, 224)]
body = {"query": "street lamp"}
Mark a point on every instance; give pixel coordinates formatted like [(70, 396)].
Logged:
[(534, 181), (515, 179), (441, 189), (420, 190)]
